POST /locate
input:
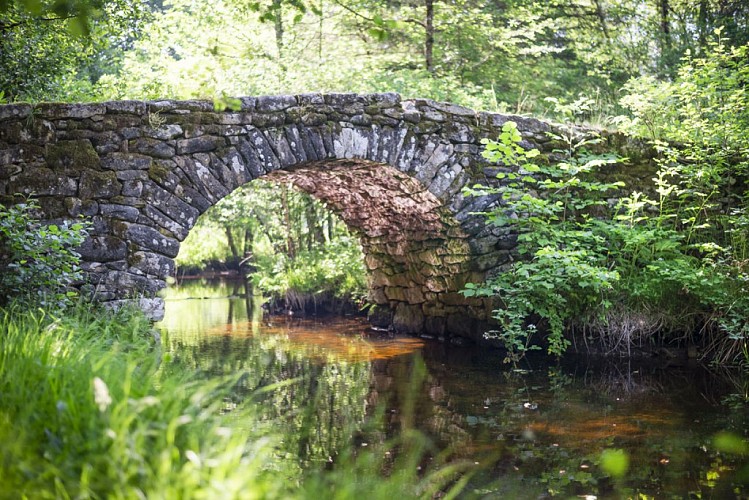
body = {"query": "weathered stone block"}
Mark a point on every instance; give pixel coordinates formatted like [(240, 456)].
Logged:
[(202, 144), (15, 111), (131, 107), (340, 101), (460, 325), (164, 132), (310, 99), (149, 238), (121, 212), (95, 184), (277, 138), (152, 147), (270, 104), (170, 205), (103, 249), (73, 155), (435, 325), (132, 187), (77, 111), (380, 317), (156, 217), (152, 264), (43, 182), (125, 283), (383, 99), (8, 171), (408, 319)]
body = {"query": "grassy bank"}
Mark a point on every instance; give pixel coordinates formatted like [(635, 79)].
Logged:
[(91, 409), (86, 412)]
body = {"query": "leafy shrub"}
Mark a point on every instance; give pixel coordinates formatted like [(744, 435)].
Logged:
[(313, 276), (700, 123), (565, 272), (636, 270), (38, 261)]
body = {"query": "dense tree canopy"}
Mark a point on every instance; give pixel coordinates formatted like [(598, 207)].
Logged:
[(494, 55), (58, 50)]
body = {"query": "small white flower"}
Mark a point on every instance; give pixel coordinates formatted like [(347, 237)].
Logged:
[(193, 457), (101, 394)]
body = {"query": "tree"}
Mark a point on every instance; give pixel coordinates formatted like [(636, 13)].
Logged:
[(54, 50)]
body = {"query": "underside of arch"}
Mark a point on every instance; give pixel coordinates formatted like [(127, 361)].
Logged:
[(417, 255)]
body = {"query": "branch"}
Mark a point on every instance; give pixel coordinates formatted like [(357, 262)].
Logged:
[(415, 21), (6, 27), (371, 20)]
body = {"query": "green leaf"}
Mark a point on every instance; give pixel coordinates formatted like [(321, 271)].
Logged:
[(615, 462)]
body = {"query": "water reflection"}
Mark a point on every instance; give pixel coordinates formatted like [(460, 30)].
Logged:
[(536, 431)]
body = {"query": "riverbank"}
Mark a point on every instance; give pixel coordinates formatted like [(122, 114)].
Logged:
[(92, 406)]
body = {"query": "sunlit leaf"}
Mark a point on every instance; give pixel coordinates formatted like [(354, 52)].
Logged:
[(615, 462), (731, 443)]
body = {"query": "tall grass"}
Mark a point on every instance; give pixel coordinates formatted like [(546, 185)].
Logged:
[(86, 413), (89, 408)]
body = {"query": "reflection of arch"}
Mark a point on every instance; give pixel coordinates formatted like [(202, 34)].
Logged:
[(393, 169)]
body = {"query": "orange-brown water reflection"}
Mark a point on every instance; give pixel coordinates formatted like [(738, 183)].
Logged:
[(539, 426), (339, 339)]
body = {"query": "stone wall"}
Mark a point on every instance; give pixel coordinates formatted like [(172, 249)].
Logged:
[(143, 172)]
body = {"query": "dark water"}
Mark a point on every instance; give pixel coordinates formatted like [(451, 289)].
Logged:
[(532, 432)]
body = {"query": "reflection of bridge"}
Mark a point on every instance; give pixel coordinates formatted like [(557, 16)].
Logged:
[(144, 172)]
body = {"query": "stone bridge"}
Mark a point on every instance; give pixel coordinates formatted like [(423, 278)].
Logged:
[(143, 172)]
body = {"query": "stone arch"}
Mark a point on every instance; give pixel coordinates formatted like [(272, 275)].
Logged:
[(415, 251), (144, 171)]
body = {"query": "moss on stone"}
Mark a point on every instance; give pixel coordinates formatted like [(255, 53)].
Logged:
[(119, 228), (134, 259), (75, 155), (158, 173), (129, 201)]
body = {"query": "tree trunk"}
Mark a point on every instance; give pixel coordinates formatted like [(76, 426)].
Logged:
[(331, 228), (702, 19), (429, 43), (290, 247), (665, 9), (232, 244), (278, 22), (602, 19)]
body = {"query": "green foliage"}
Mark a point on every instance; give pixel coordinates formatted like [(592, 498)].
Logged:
[(498, 56), (705, 106), (58, 50), (291, 246), (93, 416), (564, 272), (699, 123), (337, 271), (644, 267), (615, 462), (38, 261)]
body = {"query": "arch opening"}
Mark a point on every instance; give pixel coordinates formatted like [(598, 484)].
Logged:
[(416, 253), (284, 244)]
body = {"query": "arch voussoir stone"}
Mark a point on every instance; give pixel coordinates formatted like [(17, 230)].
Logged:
[(143, 172)]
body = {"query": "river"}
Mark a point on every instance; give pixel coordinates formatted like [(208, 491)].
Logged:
[(533, 431)]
